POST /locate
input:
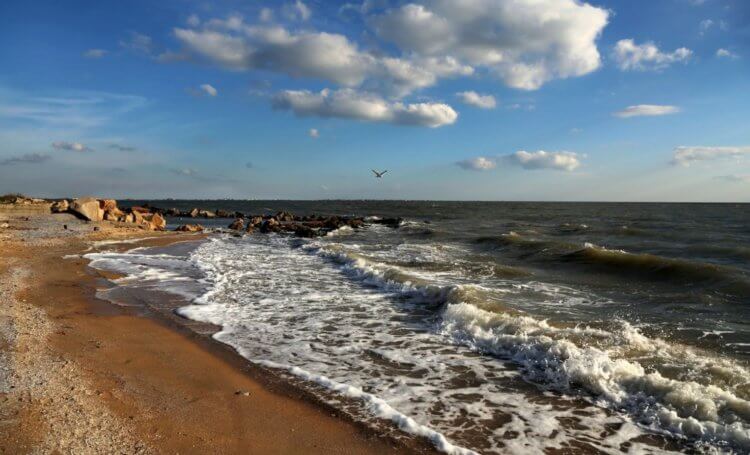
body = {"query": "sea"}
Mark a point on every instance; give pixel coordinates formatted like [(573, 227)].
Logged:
[(488, 327)]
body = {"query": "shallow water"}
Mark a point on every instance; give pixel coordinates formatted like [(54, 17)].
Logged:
[(493, 327)]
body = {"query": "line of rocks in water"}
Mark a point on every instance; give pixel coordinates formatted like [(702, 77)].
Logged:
[(281, 222)]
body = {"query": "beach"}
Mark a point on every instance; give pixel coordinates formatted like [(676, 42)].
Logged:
[(376, 326), (80, 375)]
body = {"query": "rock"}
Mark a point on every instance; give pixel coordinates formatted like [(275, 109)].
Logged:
[(284, 216), (87, 208), (390, 222), (301, 230), (206, 214), (190, 228), (4, 225), (173, 212), (270, 225), (239, 215), (140, 209), (237, 225), (332, 223), (107, 204), (158, 223), (129, 218), (137, 217), (356, 223), (255, 221), (250, 229), (195, 213), (224, 214), (60, 206), (315, 224)]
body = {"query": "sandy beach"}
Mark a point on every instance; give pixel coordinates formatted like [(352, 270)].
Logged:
[(80, 375)]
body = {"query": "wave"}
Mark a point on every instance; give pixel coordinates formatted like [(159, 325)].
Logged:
[(644, 265), (607, 364)]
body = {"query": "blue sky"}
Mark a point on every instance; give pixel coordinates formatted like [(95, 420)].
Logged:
[(470, 99)]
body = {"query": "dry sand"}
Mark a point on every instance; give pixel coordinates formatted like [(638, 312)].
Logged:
[(78, 375)]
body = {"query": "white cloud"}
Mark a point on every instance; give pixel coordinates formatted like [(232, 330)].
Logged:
[(95, 53), (193, 20), (265, 15), (525, 42), (646, 110), (350, 104), (297, 11), (647, 56), (29, 158), (71, 146), (685, 155), (234, 45), (734, 178), (561, 161), (726, 53), (138, 42), (209, 89), (475, 99), (705, 24), (313, 133), (479, 163)]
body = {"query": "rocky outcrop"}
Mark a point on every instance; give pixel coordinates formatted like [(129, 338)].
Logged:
[(87, 208), (60, 206), (190, 228), (237, 225)]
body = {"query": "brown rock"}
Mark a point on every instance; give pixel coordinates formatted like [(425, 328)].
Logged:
[(107, 204), (255, 221), (60, 206), (238, 224), (87, 208), (194, 213), (190, 228), (158, 223), (284, 216)]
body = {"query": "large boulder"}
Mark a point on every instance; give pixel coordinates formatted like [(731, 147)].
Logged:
[(190, 228), (206, 214), (195, 213), (108, 204), (60, 206), (255, 221), (237, 225), (158, 223), (224, 214), (87, 208), (270, 225)]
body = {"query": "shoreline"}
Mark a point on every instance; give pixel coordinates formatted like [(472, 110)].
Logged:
[(141, 380)]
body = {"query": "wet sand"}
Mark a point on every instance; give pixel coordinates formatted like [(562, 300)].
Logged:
[(80, 375)]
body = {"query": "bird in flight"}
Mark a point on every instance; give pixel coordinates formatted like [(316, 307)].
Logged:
[(379, 174)]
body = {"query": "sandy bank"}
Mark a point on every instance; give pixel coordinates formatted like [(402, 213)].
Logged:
[(78, 375)]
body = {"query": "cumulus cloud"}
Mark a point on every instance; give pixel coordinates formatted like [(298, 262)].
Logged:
[(29, 158), (525, 42), (313, 133), (686, 155), (475, 99), (726, 53), (646, 110), (95, 53), (479, 163), (209, 89), (351, 104), (630, 56), (71, 146), (561, 161)]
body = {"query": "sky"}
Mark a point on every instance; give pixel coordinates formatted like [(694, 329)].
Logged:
[(563, 100)]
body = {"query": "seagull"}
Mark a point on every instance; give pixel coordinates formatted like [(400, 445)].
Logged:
[(379, 174)]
